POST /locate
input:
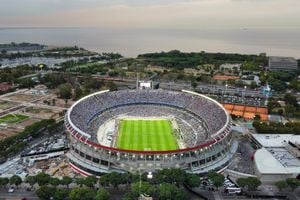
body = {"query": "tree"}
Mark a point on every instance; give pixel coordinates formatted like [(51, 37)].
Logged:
[(45, 192), (216, 178), (64, 91), (142, 188), (293, 183), (290, 99), (102, 194), (66, 180), (80, 181), (115, 179), (253, 183), (15, 180), (170, 192), (253, 85), (42, 179), (77, 93), (281, 185), (193, 180), (257, 117), (82, 194), (112, 86), (31, 180), (242, 182), (26, 83), (61, 194), (193, 84), (54, 181), (90, 181), (4, 181)]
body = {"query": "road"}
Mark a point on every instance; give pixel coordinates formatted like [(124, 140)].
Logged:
[(17, 194)]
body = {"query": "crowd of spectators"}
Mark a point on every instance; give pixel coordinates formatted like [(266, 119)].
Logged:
[(197, 116)]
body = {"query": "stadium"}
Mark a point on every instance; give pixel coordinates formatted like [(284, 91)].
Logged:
[(146, 130)]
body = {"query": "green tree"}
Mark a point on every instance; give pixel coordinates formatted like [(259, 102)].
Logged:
[(90, 181), (77, 93), (242, 182), (102, 194), (66, 180), (45, 192), (143, 188), (4, 182), (216, 178), (54, 181), (82, 194), (290, 99), (257, 117), (193, 84), (15, 180), (80, 181), (293, 183), (65, 91), (253, 183), (193, 180), (31, 180), (61, 194), (112, 86), (281, 185), (42, 179), (170, 192), (253, 85)]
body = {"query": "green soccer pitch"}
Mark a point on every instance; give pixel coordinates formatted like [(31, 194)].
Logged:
[(13, 118), (146, 135)]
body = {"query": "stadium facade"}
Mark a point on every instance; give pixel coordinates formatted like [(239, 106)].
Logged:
[(204, 129)]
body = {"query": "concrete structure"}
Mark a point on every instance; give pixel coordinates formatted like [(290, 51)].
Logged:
[(282, 63), (278, 157), (232, 67), (210, 151)]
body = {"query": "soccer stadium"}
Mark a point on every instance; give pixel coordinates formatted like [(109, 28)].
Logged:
[(146, 130)]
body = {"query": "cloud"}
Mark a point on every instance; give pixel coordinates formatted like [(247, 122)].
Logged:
[(150, 13)]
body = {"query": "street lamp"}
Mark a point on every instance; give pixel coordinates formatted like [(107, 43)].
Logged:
[(245, 88)]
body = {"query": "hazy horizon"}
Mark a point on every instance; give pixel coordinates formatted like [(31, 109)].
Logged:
[(132, 41), (150, 13)]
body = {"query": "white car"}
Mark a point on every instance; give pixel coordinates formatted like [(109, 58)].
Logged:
[(11, 190)]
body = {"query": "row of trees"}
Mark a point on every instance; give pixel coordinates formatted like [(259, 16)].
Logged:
[(277, 127), (165, 184), (291, 183), (177, 59)]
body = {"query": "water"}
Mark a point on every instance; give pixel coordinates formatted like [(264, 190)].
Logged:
[(131, 42)]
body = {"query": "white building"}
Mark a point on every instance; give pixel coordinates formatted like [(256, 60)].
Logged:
[(282, 63), (278, 157)]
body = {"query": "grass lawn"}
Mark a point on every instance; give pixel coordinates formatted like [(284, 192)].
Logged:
[(150, 135), (13, 118)]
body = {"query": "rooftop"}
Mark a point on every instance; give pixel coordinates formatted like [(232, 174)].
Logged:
[(276, 140), (276, 161)]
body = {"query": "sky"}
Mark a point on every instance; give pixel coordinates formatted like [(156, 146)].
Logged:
[(189, 14)]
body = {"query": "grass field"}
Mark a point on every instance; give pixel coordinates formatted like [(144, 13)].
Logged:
[(13, 118), (151, 135)]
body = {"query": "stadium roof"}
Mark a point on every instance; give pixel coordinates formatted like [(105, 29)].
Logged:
[(276, 140), (266, 163)]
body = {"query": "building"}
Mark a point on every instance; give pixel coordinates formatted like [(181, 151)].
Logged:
[(232, 67), (282, 63), (204, 130), (278, 156)]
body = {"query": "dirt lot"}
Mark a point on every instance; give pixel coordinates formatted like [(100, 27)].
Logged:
[(23, 97), (8, 131)]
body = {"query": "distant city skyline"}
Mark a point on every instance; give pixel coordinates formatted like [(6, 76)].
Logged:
[(150, 13)]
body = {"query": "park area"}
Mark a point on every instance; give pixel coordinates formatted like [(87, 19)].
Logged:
[(146, 135), (13, 118)]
